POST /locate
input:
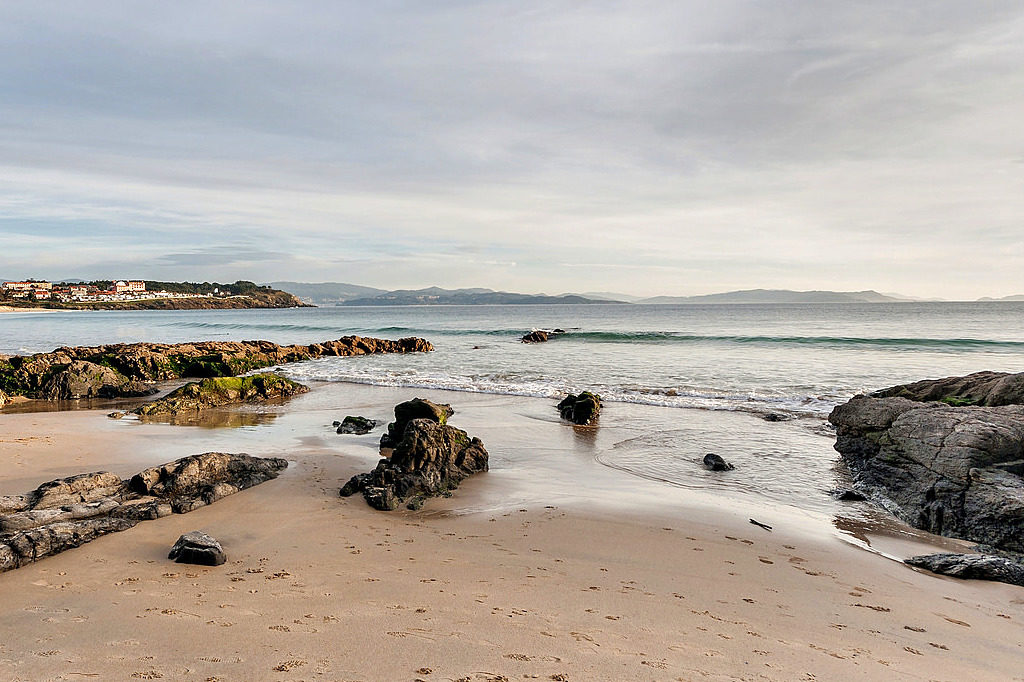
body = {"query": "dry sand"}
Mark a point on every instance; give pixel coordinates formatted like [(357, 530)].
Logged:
[(480, 587)]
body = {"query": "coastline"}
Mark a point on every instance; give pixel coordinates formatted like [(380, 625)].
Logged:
[(617, 578)]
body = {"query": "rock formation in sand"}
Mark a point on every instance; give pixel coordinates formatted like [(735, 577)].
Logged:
[(221, 391), (356, 425), (196, 547), (417, 408), (953, 471), (430, 459), (582, 409), (68, 512), (120, 369)]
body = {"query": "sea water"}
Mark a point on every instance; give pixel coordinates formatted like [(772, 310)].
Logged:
[(678, 381)]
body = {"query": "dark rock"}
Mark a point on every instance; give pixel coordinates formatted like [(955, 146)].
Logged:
[(430, 460), (199, 548), (580, 409), (336, 423), (716, 463), (775, 417), (536, 336), (116, 370), (972, 567), (356, 425), (947, 470), (849, 495), (986, 389), (116, 415), (68, 512), (417, 408), (221, 391)]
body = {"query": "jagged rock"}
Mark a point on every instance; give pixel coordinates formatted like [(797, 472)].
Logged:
[(536, 336), (417, 408), (68, 512), (199, 548), (430, 460), (356, 425), (986, 389), (580, 409), (947, 470), (121, 369), (221, 391), (972, 567), (716, 463)]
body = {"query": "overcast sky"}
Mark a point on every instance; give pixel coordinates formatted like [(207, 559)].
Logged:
[(673, 147)]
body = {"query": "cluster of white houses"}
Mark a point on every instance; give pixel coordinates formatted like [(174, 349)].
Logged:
[(120, 290)]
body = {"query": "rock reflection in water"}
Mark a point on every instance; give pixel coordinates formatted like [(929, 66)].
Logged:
[(214, 419)]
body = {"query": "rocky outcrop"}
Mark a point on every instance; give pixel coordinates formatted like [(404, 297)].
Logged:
[(68, 512), (417, 408), (116, 370), (221, 391), (356, 425), (953, 471), (431, 459), (582, 409), (196, 547), (972, 566), (986, 389), (536, 336)]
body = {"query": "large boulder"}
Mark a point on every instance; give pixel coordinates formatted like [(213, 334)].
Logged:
[(417, 408), (952, 471), (220, 391), (68, 512), (430, 460), (582, 409), (536, 336), (81, 379), (196, 547), (987, 389)]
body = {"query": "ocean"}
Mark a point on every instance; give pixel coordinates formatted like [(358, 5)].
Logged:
[(678, 381)]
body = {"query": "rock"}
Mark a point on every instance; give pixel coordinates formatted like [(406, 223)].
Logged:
[(356, 425), (580, 409), (3, 399), (417, 408), (68, 512), (431, 459), (199, 548), (986, 389), (536, 336), (775, 417), (716, 463), (849, 495), (222, 391), (123, 369), (947, 470), (972, 566)]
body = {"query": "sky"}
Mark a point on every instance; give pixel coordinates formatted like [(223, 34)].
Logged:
[(675, 147)]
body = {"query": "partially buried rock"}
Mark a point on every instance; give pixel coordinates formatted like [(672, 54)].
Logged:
[(536, 336), (197, 548), (716, 463), (972, 566), (580, 409), (417, 408), (430, 460), (356, 425)]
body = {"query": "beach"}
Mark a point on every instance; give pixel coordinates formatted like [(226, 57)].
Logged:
[(521, 574)]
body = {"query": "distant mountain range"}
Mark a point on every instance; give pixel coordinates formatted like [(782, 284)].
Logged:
[(781, 296), (1015, 297), (326, 293), (438, 296)]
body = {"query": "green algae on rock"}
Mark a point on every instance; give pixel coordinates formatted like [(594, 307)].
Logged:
[(219, 391)]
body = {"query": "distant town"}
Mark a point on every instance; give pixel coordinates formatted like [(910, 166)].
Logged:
[(119, 290)]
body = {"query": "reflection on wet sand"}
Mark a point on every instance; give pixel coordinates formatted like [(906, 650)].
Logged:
[(214, 419)]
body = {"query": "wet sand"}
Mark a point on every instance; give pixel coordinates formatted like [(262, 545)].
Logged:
[(548, 567)]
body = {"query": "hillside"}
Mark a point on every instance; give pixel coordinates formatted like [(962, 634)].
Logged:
[(438, 296), (779, 296)]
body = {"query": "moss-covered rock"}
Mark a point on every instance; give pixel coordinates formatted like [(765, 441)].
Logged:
[(582, 409), (218, 391)]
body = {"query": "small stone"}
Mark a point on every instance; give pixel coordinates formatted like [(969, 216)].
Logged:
[(356, 425), (196, 547), (716, 463)]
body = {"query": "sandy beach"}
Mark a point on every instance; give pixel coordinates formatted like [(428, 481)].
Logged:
[(522, 574)]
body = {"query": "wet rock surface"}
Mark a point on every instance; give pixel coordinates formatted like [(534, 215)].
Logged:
[(356, 425), (118, 370), (431, 459), (68, 512), (199, 548), (417, 408), (953, 471), (972, 567), (716, 463), (582, 409), (536, 336), (221, 391)]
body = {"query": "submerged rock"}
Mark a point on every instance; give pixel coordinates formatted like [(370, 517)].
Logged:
[(68, 512), (417, 408), (716, 463), (947, 470), (199, 548), (431, 459), (356, 425), (221, 391), (536, 336), (972, 566), (580, 409)]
